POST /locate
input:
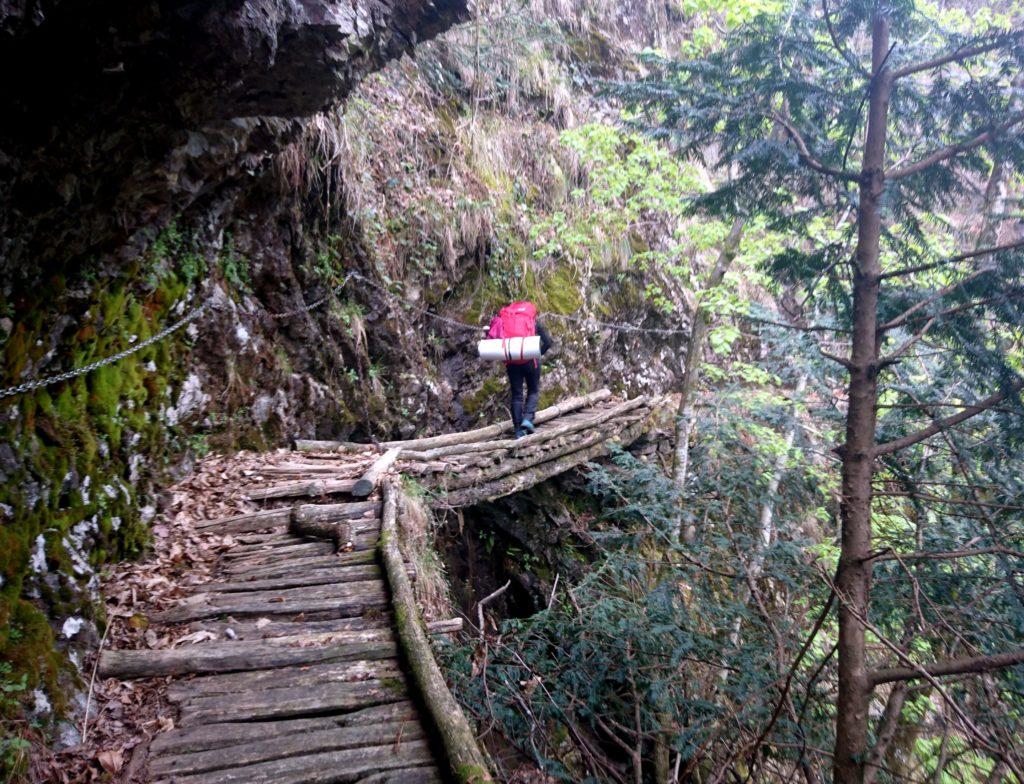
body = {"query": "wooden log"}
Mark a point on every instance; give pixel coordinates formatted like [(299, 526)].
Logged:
[(290, 703), (238, 655), (266, 538), (265, 628), (340, 469), (534, 475), (467, 762), (335, 512), (520, 445), (244, 523), (553, 449), (331, 521), (425, 775), (449, 626), (480, 434), (328, 739), (348, 766), (286, 569), (368, 482), (256, 680), (329, 576), (224, 734), (307, 487), (282, 550), (343, 599)]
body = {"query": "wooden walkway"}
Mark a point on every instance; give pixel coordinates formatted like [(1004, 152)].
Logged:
[(318, 668)]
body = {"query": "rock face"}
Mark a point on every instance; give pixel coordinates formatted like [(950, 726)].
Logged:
[(120, 115), (139, 174)]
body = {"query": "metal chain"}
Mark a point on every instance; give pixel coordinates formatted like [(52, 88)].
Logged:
[(38, 383), (587, 321), (314, 305), (28, 386)]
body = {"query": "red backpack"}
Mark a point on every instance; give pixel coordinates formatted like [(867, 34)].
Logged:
[(518, 320)]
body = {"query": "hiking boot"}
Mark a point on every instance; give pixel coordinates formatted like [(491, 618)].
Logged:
[(519, 433), (528, 426)]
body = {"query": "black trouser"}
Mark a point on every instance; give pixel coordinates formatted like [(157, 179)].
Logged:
[(517, 374)]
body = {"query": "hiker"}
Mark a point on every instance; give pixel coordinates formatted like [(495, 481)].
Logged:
[(519, 320)]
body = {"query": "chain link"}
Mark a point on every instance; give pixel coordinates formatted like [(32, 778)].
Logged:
[(38, 383), (585, 320), (29, 386), (314, 305)]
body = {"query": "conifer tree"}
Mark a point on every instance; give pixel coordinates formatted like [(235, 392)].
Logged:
[(894, 122)]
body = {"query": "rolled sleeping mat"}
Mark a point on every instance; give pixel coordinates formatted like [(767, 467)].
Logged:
[(510, 349)]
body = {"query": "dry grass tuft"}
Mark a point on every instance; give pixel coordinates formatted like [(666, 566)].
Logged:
[(416, 539)]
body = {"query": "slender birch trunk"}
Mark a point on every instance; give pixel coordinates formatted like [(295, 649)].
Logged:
[(691, 370)]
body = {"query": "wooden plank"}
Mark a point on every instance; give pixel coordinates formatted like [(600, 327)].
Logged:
[(293, 677), (246, 523), (521, 445), (239, 655), (309, 487), (266, 538), (331, 739), (343, 599), (290, 703), (287, 565), (368, 482), (346, 468), (333, 512), (553, 449), (285, 569), (298, 547), (337, 574), (347, 766), (265, 628), (224, 734), (534, 475), (426, 775), (480, 434)]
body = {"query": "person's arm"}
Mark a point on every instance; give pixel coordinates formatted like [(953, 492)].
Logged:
[(545, 338)]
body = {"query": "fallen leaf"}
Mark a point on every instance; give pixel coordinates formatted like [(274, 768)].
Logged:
[(200, 636), (111, 761)]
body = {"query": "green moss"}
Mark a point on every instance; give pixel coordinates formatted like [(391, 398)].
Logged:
[(89, 427), (558, 292), (491, 389)]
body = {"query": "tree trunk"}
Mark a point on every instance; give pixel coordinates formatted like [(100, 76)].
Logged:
[(691, 369), (854, 574)]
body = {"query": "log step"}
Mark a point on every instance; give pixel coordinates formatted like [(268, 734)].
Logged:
[(307, 488), (344, 598), (217, 736), (240, 655), (349, 766), (310, 742), (335, 672), (338, 574), (291, 703)]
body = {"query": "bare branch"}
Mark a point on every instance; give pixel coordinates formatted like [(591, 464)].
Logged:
[(954, 149), (835, 358), (903, 317), (805, 154), (955, 56), (972, 664), (953, 259), (908, 344), (939, 425), (889, 555), (843, 51)]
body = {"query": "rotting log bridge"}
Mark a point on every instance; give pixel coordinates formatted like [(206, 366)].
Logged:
[(320, 668)]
